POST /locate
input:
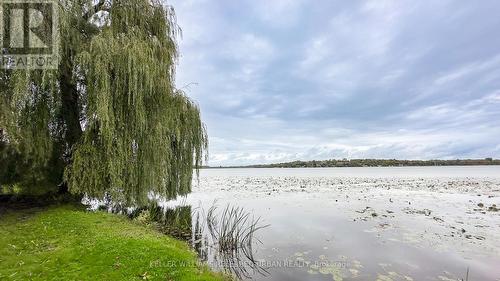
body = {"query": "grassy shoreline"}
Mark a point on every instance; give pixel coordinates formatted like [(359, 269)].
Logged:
[(69, 243)]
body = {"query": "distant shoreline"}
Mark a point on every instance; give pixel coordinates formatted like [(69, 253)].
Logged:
[(333, 163)]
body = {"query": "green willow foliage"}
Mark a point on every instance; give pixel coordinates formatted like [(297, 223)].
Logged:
[(110, 116)]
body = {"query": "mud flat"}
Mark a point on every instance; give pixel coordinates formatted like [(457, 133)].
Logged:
[(416, 223)]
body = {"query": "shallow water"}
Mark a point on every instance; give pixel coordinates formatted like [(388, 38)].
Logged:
[(404, 223)]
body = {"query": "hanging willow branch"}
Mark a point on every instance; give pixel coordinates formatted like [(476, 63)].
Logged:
[(111, 112)]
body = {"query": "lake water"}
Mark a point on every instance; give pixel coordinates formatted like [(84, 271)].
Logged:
[(395, 223)]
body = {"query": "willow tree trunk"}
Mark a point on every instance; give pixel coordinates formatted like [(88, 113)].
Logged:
[(70, 111)]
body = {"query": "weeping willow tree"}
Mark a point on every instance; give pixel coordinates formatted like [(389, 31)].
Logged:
[(109, 121)]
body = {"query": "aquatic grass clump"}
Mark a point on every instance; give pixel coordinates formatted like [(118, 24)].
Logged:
[(234, 230), (233, 236)]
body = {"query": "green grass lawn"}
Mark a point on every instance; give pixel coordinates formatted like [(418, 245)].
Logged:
[(69, 243)]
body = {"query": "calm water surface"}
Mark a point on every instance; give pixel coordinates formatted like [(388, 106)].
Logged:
[(404, 223)]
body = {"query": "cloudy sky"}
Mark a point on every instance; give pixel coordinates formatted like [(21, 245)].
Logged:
[(282, 80)]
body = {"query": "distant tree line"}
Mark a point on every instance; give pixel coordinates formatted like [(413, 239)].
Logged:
[(377, 163)]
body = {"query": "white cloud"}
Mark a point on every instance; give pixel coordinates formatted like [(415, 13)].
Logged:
[(283, 80), (278, 13), (408, 145), (468, 69), (248, 48)]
